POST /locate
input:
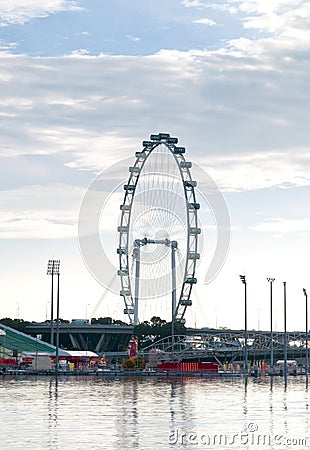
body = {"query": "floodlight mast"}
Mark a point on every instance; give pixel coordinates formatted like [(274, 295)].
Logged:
[(52, 269)]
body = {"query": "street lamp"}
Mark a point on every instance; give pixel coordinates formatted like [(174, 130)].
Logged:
[(270, 281), (52, 269), (86, 311), (307, 355), (46, 309), (243, 281), (17, 310)]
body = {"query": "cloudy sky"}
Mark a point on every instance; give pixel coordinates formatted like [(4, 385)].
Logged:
[(84, 82)]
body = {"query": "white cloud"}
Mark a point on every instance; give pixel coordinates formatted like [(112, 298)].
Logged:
[(260, 171), (193, 4), (7, 47), (80, 51), (288, 18), (248, 99), (279, 225), (266, 6), (52, 211), (293, 22), (283, 17), (205, 21), (83, 33), (133, 38), (21, 11), (98, 109), (106, 150), (12, 228), (207, 5), (40, 212)]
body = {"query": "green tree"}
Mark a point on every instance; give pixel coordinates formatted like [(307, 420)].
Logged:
[(106, 321), (150, 332), (17, 324), (102, 321), (157, 322)]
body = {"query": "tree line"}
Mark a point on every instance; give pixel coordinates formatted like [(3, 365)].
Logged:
[(147, 332)]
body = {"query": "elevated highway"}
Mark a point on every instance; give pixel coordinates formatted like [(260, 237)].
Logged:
[(85, 336)]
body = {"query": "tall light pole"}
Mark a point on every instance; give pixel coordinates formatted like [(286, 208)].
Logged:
[(307, 353), (285, 331), (270, 281), (53, 269), (243, 281), (57, 326)]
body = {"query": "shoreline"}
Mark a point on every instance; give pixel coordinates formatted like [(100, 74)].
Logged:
[(140, 374)]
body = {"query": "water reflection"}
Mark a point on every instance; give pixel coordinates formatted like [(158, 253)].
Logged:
[(244, 406), (173, 394), (127, 421), (286, 415), (52, 413), (79, 413)]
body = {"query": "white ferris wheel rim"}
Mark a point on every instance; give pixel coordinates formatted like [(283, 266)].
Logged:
[(190, 206)]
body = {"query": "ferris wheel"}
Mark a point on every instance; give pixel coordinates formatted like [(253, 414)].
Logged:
[(158, 229)]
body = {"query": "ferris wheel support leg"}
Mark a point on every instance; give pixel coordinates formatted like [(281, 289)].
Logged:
[(137, 279), (174, 246)]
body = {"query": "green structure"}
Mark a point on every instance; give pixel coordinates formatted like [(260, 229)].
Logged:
[(15, 342)]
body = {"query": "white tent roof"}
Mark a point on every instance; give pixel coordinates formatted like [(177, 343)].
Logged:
[(77, 353)]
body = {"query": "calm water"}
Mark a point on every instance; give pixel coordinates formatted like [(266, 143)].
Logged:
[(153, 413)]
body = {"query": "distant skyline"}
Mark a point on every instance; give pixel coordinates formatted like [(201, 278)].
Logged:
[(84, 82)]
